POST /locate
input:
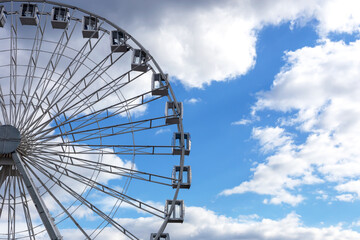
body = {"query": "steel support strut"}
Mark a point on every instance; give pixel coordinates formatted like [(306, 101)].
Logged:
[(40, 206)]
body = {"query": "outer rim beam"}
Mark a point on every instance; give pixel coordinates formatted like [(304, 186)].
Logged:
[(40, 206)]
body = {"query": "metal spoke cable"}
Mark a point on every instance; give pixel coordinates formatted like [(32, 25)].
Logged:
[(115, 82), (58, 53), (33, 60), (11, 207), (104, 149), (103, 131), (12, 68), (91, 118), (100, 187), (59, 203), (84, 201), (6, 189), (26, 209), (80, 102), (78, 162), (70, 73)]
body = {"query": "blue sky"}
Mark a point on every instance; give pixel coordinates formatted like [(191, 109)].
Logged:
[(270, 92), (271, 97)]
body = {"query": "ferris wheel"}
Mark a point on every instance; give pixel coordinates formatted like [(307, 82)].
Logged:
[(85, 143)]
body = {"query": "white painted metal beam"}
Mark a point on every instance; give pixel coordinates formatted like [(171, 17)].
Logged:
[(40, 206)]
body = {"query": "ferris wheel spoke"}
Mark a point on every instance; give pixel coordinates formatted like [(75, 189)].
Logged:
[(75, 90), (4, 112), (33, 59), (50, 148), (40, 206), (13, 63), (94, 75), (104, 92), (70, 96), (92, 118), (6, 180), (47, 74), (26, 209), (28, 139), (75, 175), (58, 54), (32, 63), (107, 190), (84, 201), (41, 97), (68, 73), (78, 162), (2, 177), (106, 131), (109, 88), (115, 109), (11, 208), (84, 102), (68, 214)]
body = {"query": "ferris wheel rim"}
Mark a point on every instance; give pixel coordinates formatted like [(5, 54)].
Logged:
[(152, 59)]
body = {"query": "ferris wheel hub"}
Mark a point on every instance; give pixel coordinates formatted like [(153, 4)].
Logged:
[(9, 139)]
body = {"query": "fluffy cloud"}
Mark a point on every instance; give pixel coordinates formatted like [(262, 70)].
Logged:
[(345, 197), (338, 17), (192, 43), (201, 224), (318, 93), (241, 122), (282, 171), (215, 41), (193, 100), (207, 41), (350, 186)]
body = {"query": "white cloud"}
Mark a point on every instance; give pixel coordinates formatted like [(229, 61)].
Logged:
[(318, 93), (193, 100), (162, 130), (242, 122), (321, 195), (345, 197), (355, 224), (192, 45), (215, 40), (350, 186), (203, 224), (338, 16), (271, 138), (281, 172)]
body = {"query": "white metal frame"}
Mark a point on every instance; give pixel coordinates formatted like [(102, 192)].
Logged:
[(48, 120)]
